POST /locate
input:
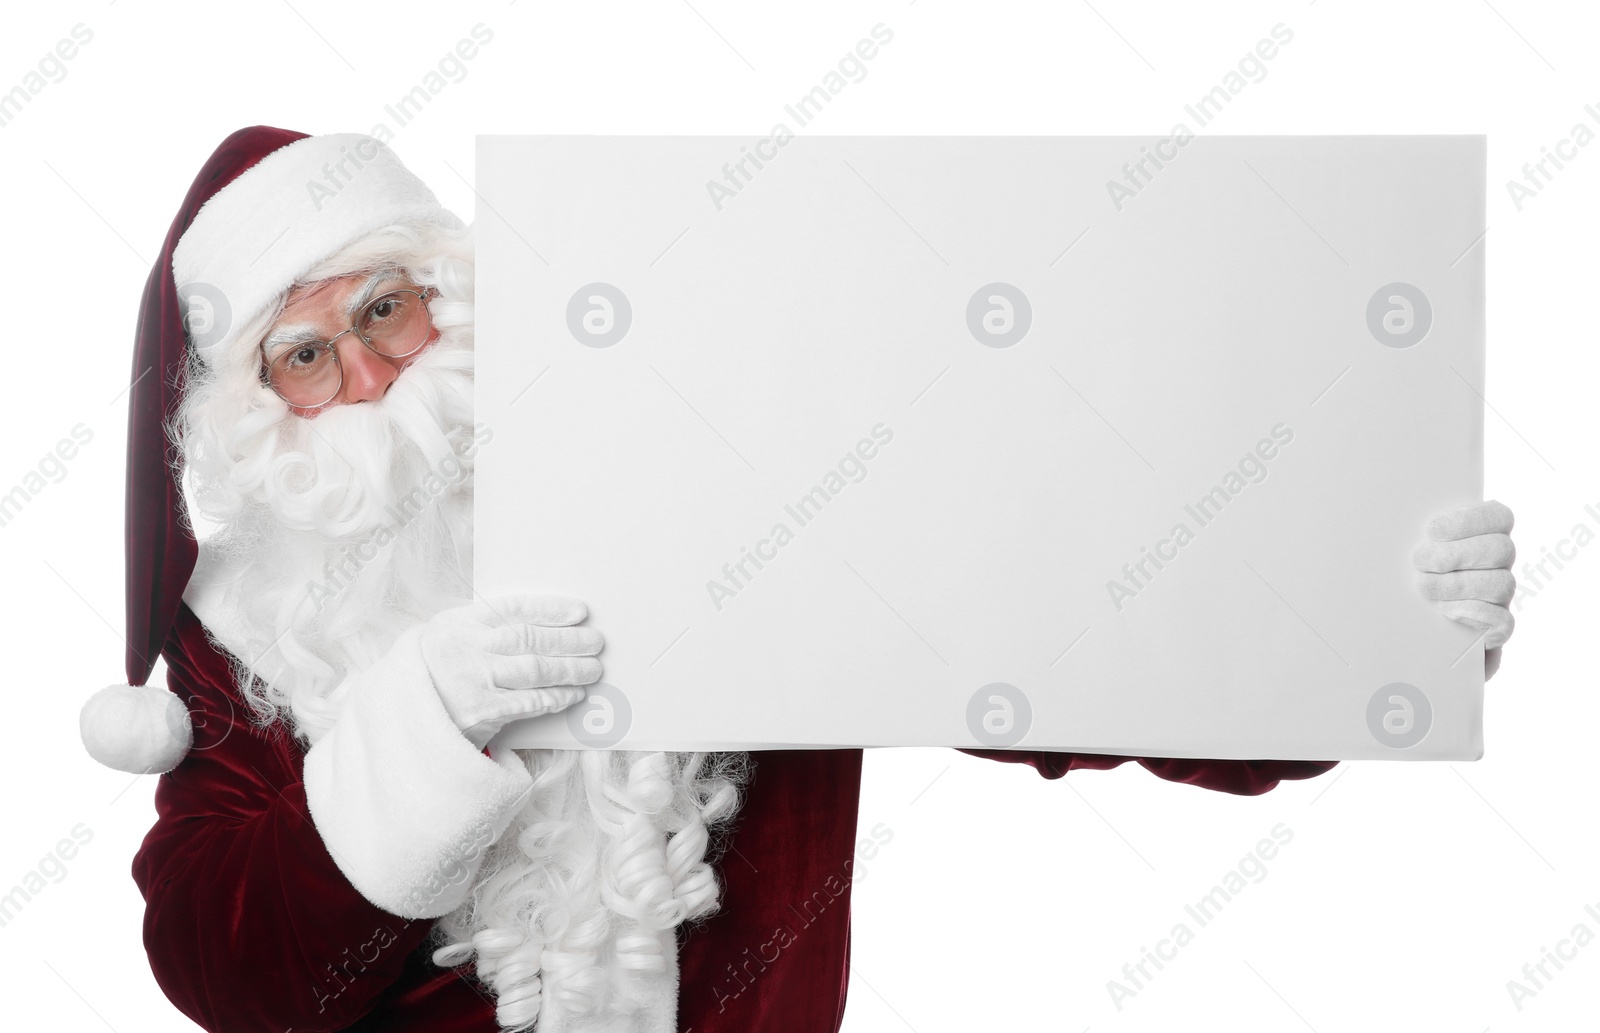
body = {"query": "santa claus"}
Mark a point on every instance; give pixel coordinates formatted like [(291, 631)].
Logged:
[(336, 845)]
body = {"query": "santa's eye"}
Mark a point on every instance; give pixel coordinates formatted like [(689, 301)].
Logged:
[(301, 359), (386, 312)]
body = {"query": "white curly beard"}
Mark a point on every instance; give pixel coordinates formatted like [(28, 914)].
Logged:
[(572, 915)]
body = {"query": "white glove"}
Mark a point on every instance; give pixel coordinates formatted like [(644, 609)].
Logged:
[(399, 787), (497, 661), (1466, 570)]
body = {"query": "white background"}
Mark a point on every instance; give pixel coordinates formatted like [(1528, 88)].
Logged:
[(1410, 894)]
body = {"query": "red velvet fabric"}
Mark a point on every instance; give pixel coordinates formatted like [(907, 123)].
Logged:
[(250, 926), (160, 553)]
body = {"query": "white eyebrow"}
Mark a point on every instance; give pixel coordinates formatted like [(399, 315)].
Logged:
[(297, 332), (364, 294), (289, 335)]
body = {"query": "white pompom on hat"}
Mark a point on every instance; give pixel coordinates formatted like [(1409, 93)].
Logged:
[(142, 729), (268, 206)]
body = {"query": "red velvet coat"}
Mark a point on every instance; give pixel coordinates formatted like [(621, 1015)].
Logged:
[(251, 926)]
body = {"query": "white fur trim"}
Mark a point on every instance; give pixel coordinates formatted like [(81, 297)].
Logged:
[(291, 210), (141, 729), (397, 792), (406, 805), (404, 757)]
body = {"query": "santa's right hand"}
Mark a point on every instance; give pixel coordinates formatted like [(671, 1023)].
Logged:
[(509, 658)]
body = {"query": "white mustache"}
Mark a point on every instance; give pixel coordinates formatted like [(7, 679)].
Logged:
[(337, 473)]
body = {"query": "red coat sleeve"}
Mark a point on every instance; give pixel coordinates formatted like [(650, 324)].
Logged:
[(1241, 777), (249, 924)]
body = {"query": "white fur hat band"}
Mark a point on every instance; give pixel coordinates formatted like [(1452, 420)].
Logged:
[(281, 217)]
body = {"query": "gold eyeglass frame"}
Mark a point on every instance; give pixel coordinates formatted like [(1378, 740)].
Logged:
[(328, 345)]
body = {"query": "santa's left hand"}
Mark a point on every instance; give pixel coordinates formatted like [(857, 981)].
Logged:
[(1465, 566)]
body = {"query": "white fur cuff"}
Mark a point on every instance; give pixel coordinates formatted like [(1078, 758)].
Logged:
[(403, 801)]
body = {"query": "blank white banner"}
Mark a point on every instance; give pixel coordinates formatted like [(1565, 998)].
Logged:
[(1116, 445)]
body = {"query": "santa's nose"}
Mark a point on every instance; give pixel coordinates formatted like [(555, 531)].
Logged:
[(367, 375)]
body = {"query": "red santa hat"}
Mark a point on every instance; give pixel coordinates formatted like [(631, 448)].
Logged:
[(268, 206)]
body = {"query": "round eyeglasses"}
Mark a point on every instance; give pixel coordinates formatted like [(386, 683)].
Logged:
[(307, 374)]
